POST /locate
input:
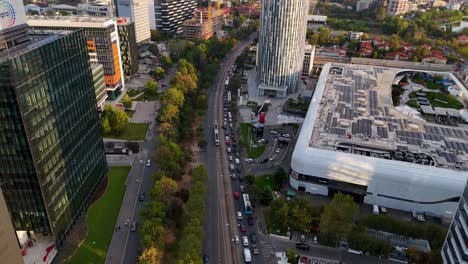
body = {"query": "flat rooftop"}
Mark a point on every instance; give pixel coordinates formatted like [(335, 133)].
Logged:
[(69, 21), (356, 115)]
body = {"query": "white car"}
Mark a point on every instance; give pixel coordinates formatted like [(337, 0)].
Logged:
[(230, 158), (231, 167), (237, 239), (148, 163), (249, 160), (239, 215), (242, 188), (227, 138), (272, 158), (245, 241), (228, 150), (233, 176), (277, 151), (237, 161)]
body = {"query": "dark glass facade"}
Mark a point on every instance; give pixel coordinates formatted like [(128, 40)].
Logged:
[(51, 149)]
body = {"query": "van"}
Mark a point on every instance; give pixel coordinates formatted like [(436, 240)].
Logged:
[(383, 210), (375, 209), (247, 255)]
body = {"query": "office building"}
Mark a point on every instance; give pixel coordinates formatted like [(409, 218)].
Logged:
[(9, 249), (308, 64), (99, 85), (170, 14), (101, 9), (353, 140), (102, 39), (137, 11), (454, 249), (51, 149), (128, 45), (364, 4), (204, 24), (397, 7), (281, 46)]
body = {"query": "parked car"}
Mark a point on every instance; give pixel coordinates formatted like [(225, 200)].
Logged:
[(228, 150), (134, 226), (253, 237), (205, 259), (255, 249), (242, 227), (148, 163), (272, 158), (230, 157), (245, 241), (249, 160), (277, 151), (302, 246), (233, 176), (315, 239), (273, 132), (231, 167), (237, 161), (250, 220), (239, 215), (265, 160)]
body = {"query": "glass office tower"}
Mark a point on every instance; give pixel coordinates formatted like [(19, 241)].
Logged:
[(51, 148)]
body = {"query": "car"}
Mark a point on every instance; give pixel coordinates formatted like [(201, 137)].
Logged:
[(285, 135), (242, 188), (237, 155), (142, 197), (242, 227), (261, 140), (238, 169), (239, 215), (227, 138), (231, 167), (277, 151), (302, 238), (255, 249), (253, 237), (273, 132), (249, 160), (265, 160), (302, 246), (237, 195), (228, 150), (233, 176), (230, 125), (236, 238), (228, 142), (272, 158), (134, 226), (237, 161), (315, 240), (245, 241), (148, 163), (250, 220), (241, 179), (230, 157), (205, 259), (303, 260)]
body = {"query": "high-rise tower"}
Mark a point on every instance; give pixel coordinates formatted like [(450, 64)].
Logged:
[(281, 41)]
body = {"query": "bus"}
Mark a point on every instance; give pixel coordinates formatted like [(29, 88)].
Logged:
[(216, 134), (247, 206)]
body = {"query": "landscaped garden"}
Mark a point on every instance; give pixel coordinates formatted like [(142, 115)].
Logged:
[(132, 131), (438, 99), (101, 219), (252, 152)]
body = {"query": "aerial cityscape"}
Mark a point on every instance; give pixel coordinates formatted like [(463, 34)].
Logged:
[(228, 132)]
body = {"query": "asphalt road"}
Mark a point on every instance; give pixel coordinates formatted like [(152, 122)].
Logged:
[(218, 244)]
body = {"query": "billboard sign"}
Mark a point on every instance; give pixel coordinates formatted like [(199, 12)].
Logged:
[(11, 13)]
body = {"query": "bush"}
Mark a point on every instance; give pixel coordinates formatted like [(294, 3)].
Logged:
[(133, 146)]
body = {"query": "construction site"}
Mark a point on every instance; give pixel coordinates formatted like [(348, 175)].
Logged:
[(205, 22)]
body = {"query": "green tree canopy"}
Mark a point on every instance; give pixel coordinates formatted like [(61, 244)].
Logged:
[(173, 96), (126, 101)]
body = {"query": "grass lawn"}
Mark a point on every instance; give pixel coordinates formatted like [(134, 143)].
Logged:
[(133, 131), (412, 103), (251, 152), (267, 180), (440, 99), (101, 219)]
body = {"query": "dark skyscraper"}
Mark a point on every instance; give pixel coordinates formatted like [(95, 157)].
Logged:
[(51, 149)]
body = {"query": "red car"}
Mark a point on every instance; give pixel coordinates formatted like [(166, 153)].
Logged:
[(228, 142), (236, 195)]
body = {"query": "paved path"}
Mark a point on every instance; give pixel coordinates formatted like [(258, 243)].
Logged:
[(144, 112)]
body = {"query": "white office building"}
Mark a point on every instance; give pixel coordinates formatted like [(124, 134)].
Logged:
[(353, 140), (138, 12), (283, 27)]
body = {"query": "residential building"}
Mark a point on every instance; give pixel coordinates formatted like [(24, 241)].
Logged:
[(356, 142), (204, 24), (309, 54), (436, 57), (102, 9), (355, 35), (364, 4), (99, 85), (439, 3), (51, 149), (137, 11), (170, 14), (397, 7), (280, 52), (453, 6), (366, 49), (316, 20), (463, 39), (128, 45), (102, 39), (454, 248), (9, 249), (396, 55)]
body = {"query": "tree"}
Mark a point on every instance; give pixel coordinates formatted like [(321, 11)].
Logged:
[(380, 14), (279, 214), (394, 42), (126, 101), (153, 48), (166, 61), (169, 113), (118, 121), (314, 40), (291, 255), (106, 129), (152, 233), (164, 188), (365, 36), (280, 176), (150, 255), (267, 195), (151, 88), (173, 96), (156, 35), (184, 82), (324, 36), (336, 221), (159, 73)]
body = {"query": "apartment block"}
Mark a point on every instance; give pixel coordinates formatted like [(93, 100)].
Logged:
[(204, 24), (137, 11), (170, 14), (128, 45)]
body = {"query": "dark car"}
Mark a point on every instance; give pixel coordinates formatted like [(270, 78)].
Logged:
[(238, 169), (250, 220), (253, 237), (142, 197), (205, 259), (264, 161), (302, 246), (242, 227)]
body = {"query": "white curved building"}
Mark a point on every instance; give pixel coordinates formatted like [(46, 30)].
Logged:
[(283, 26), (355, 141)]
